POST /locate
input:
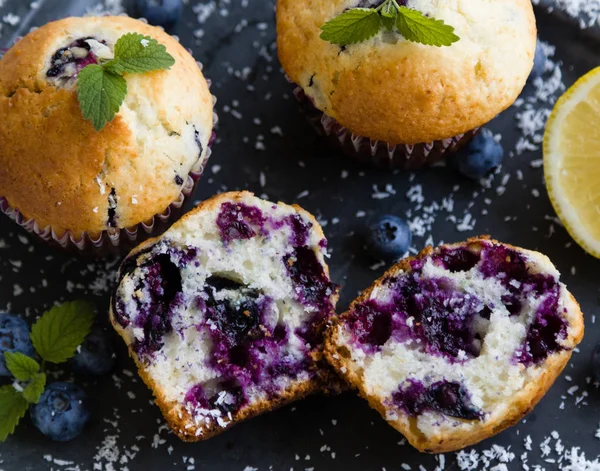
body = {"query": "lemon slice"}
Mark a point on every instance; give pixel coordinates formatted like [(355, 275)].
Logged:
[(572, 161)]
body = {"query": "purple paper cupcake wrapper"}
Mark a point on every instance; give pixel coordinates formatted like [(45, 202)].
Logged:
[(115, 240), (379, 153)]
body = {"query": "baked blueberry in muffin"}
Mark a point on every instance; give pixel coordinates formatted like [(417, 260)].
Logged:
[(394, 102), (97, 189), (224, 314), (459, 343)]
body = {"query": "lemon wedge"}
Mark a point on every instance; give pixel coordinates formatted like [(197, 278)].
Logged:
[(572, 161)]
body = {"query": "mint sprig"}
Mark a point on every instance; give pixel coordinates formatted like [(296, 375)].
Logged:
[(55, 337), (22, 367), (12, 409), (352, 26), (57, 334), (359, 24), (35, 388), (101, 88), (100, 94), (137, 54)]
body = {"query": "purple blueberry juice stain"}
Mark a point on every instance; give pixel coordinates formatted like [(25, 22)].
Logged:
[(510, 267), (300, 230), (502, 263), (431, 311), (544, 333), (456, 260), (448, 398), (68, 61), (162, 282), (234, 322), (248, 346), (313, 287), (158, 276), (129, 265), (371, 324), (212, 398), (444, 318), (239, 221)]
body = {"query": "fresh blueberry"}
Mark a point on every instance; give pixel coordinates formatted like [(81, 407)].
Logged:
[(96, 355), (539, 62), (596, 363), (480, 157), (61, 412), (388, 238), (14, 337), (165, 13)]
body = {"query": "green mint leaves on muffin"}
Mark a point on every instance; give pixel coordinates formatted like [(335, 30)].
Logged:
[(359, 24), (101, 88), (55, 337)]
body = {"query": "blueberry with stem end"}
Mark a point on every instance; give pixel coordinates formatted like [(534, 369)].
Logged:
[(165, 13), (62, 411), (14, 337), (481, 157), (388, 238), (96, 355)]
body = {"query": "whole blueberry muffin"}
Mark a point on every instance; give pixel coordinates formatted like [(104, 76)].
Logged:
[(80, 187), (395, 102), (224, 314), (459, 343)]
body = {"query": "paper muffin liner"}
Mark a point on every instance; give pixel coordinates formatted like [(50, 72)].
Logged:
[(117, 240), (112, 240), (379, 153)]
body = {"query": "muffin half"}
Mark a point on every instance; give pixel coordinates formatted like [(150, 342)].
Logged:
[(459, 343), (225, 313)]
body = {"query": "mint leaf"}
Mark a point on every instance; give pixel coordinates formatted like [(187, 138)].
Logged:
[(35, 388), (136, 54), (57, 334), (100, 94), (389, 12), (353, 26), (12, 409), (417, 27), (22, 367)]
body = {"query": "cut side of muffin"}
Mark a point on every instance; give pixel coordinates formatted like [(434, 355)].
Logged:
[(459, 343), (224, 314)]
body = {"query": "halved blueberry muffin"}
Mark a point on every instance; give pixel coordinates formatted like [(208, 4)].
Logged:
[(224, 314), (81, 188), (459, 343)]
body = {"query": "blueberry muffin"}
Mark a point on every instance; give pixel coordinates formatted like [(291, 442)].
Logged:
[(397, 103), (73, 185), (224, 314), (459, 343)]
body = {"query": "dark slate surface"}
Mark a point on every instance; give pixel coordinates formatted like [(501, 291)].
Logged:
[(333, 433)]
